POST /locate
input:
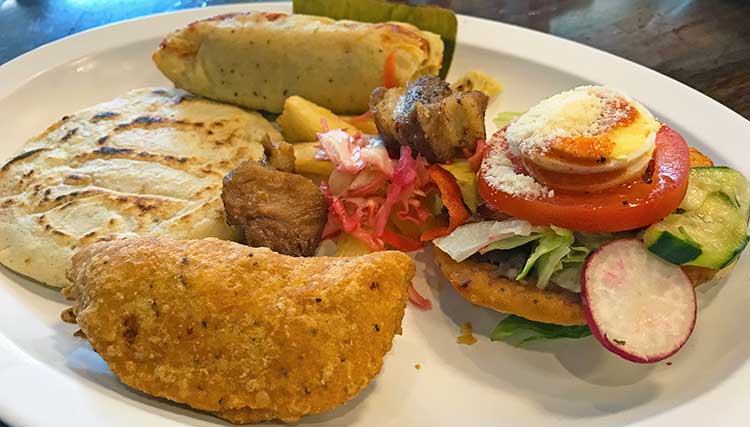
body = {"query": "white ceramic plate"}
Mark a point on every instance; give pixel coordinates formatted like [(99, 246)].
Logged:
[(50, 378)]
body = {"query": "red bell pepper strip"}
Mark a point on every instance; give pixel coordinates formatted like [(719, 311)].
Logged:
[(389, 75), (367, 115), (418, 300), (450, 194), (400, 242), (371, 241), (475, 160)]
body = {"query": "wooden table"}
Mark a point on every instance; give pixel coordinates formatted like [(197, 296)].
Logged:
[(703, 43)]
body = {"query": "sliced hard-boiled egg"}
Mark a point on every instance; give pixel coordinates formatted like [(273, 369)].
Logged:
[(588, 138)]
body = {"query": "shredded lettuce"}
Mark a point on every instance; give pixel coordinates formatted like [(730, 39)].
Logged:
[(557, 256), (593, 241), (511, 242), (568, 273), (549, 264), (520, 331), (577, 254), (569, 277), (504, 118), (548, 254), (468, 239)]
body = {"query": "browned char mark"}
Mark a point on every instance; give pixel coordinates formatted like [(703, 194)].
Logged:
[(69, 134), (112, 151), (103, 116), (22, 156), (131, 327), (272, 16), (142, 121), (129, 153), (143, 205), (150, 122), (408, 32)]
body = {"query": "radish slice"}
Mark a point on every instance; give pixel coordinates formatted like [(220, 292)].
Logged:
[(637, 305)]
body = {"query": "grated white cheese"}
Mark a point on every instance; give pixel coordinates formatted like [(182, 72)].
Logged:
[(499, 173), (583, 111)]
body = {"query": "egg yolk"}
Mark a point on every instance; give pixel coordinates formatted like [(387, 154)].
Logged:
[(621, 140), (585, 139)]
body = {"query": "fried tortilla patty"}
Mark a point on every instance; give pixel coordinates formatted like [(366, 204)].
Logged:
[(479, 283), (245, 333)]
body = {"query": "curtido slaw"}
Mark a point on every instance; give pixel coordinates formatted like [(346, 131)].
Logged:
[(386, 203), (367, 187)]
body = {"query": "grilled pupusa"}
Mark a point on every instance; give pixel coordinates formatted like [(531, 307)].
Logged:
[(150, 162)]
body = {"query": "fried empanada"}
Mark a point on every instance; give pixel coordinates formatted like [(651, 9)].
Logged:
[(244, 333)]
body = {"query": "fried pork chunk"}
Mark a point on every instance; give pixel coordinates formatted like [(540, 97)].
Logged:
[(430, 118), (245, 333), (278, 210), (279, 154)]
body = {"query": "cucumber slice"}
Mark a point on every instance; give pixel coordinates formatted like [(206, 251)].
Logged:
[(675, 249), (713, 179), (710, 230), (722, 231), (711, 236)]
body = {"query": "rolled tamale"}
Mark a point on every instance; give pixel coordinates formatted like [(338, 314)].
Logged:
[(257, 60)]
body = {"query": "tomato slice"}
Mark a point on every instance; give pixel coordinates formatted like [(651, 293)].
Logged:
[(637, 204)]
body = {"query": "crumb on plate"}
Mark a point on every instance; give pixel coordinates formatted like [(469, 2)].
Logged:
[(466, 336)]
